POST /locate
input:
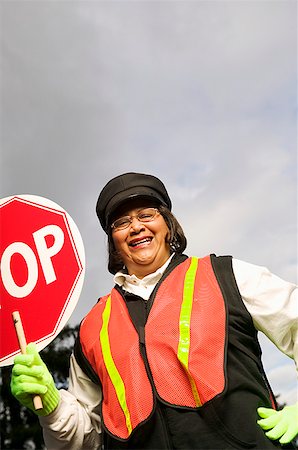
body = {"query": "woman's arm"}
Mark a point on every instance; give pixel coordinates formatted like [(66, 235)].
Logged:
[(272, 303), (75, 423)]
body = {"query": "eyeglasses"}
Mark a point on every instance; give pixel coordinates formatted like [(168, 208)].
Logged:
[(144, 215)]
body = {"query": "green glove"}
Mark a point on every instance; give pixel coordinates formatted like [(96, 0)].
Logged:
[(30, 376), (283, 424)]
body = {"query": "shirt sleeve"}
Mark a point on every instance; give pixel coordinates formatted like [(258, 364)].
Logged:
[(75, 423), (272, 303)]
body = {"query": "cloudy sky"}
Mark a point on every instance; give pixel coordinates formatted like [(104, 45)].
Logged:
[(199, 93)]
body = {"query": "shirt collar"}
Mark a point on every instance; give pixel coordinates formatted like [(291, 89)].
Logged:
[(123, 279)]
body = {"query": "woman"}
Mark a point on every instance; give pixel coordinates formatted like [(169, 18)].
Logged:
[(169, 359)]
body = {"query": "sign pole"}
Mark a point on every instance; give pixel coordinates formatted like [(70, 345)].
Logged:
[(22, 343)]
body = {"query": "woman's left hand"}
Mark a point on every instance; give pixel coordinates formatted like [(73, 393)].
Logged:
[(283, 424)]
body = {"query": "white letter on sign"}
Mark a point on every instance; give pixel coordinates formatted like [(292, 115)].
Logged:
[(12, 288), (45, 254)]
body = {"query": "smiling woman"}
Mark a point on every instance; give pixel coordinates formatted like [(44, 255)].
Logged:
[(170, 358), (142, 246), (175, 240)]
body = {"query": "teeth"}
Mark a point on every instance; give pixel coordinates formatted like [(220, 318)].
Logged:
[(134, 244)]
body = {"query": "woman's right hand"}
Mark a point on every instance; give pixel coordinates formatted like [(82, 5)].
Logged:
[(30, 376)]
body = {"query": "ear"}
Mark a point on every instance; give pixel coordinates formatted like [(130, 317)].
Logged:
[(168, 237)]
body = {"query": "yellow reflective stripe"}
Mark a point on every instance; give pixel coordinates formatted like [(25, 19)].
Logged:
[(184, 324), (110, 365)]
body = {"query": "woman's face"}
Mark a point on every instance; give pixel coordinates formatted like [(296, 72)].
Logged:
[(143, 247)]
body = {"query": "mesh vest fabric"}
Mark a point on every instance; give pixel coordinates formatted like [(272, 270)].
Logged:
[(124, 347), (207, 338), (174, 383)]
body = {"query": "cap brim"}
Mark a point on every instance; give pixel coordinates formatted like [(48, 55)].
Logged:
[(130, 194)]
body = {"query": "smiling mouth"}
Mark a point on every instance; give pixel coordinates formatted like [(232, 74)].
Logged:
[(139, 242)]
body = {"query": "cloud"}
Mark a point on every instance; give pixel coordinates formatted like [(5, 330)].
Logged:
[(284, 383), (201, 94)]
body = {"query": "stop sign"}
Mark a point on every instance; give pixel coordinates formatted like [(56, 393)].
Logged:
[(42, 266)]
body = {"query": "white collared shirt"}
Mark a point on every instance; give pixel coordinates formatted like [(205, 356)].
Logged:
[(141, 287)]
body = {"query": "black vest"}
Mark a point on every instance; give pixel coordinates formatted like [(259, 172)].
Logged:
[(227, 422)]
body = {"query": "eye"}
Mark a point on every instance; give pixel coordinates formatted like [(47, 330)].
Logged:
[(146, 215), (122, 222)]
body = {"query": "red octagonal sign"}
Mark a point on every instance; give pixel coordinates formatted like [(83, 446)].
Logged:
[(42, 265)]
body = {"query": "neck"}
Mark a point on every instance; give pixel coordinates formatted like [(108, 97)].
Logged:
[(141, 271)]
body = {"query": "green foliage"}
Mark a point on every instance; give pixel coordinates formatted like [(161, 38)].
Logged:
[(20, 429)]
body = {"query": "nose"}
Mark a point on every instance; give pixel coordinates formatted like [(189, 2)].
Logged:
[(136, 225)]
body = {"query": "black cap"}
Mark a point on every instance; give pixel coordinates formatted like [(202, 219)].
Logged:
[(129, 186)]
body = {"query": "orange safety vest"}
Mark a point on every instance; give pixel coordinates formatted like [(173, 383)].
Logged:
[(185, 339)]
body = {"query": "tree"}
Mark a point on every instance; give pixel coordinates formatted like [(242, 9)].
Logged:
[(20, 427)]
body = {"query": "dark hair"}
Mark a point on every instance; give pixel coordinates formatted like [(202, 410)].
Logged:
[(177, 240)]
